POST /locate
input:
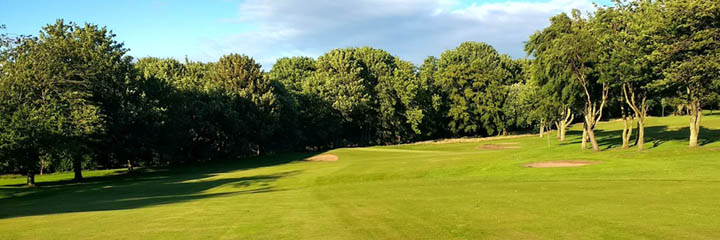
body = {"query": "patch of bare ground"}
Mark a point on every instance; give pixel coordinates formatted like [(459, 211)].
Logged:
[(323, 158), (562, 163), (499, 146)]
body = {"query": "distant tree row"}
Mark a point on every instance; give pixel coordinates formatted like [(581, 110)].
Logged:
[(71, 98)]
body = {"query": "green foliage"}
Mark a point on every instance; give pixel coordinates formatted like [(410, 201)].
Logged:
[(689, 33), (58, 82), (549, 75), (240, 77), (343, 81), (474, 79), (317, 122), (377, 94), (71, 96), (294, 73), (626, 36), (431, 99)]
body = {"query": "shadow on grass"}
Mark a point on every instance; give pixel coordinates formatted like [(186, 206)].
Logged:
[(657, 135), (142, 188)]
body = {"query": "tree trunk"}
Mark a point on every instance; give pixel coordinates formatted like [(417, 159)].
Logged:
[(695, 117), (663, 110), (557, 125), (30, 179), (77, 168), (627, 127), (639, 106), (255, 150), (584, 137), (627, 133), (641, 134), (542, 130), (548, 137), (593, 113), (679, 110), (590, 125), (564, 123), (693, 133), (593, 141)]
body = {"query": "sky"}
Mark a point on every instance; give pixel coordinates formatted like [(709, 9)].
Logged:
[(267, 30)]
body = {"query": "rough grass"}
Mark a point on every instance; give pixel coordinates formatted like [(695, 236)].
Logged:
[(414, 191)]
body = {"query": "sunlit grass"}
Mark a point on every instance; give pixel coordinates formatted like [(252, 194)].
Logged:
[(415, 191)]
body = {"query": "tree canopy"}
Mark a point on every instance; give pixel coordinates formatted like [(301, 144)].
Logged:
[(71, 98)]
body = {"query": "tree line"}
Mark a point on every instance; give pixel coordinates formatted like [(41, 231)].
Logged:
[(71, 98)]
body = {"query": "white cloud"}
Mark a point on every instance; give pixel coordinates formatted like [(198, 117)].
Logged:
[(519, 11), (411, 29)]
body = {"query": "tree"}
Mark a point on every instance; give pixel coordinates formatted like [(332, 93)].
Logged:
[(575, 47), (625, 33), (88, 57), (339, 81), (559, 96), (294, 72), (474, 80), (241, 77), (352, 75), (47, 104), (518, 106), (160, 123), (317, 121), (406, 93), (431, 99), (690, 33)]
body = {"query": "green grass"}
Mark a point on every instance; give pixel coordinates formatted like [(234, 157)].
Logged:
[(416, 191)]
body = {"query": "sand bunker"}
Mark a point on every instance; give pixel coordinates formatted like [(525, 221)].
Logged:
[(563, 163), (323, 158), (498, 146)]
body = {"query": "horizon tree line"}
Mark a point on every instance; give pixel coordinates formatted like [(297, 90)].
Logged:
[(72, 99)]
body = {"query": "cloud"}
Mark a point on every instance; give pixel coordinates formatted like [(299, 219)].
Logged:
[(410, 29)]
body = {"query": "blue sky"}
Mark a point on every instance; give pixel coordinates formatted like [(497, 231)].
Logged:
[(269, 29)]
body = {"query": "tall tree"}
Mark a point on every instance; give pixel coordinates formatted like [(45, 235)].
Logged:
[(47, 95), (241, 77), (431, 98), (88, 55), (575, 47), (347, 78), (690, 33), (559, 95), (625, 33), (475, 82), (318, 122)]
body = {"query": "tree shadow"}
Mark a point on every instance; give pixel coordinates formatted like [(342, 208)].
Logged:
[(143, 189), (657, 135)]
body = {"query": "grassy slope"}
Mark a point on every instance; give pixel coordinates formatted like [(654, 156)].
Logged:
[(418, 191)]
